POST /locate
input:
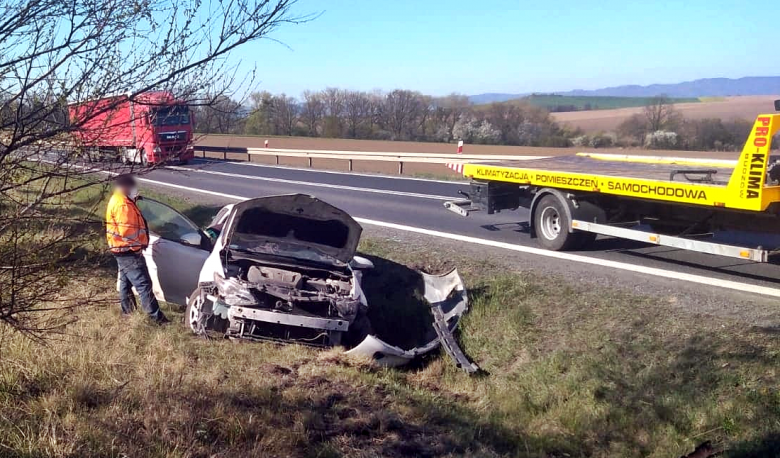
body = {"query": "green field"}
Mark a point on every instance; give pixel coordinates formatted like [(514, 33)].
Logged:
[(559, 103)]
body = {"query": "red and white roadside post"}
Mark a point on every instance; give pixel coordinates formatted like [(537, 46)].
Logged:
[(457, 166)]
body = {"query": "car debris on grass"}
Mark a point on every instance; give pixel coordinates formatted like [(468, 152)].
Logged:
[(284, 268)]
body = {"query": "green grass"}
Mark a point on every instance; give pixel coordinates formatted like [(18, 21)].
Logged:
[(554, 102), (571, 370)]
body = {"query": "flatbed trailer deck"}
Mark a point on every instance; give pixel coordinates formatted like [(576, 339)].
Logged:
[(573, 198)]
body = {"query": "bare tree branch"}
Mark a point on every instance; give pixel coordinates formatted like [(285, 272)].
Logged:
[(55, 52)]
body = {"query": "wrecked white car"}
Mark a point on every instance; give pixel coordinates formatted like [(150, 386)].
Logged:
[(283, 268)]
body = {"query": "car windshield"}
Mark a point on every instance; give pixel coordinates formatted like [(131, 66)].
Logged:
[(171, 116)]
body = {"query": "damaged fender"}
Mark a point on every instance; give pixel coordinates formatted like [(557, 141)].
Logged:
[(446, 294)]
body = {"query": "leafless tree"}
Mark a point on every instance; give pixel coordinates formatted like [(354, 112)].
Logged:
[(448, 111), (661, 114), (425, 109), (375, 98), (398, 111), (334, 111), (222, 115), (357, 110), (312, 111), (54, 52), (284, 113), (334, 101)]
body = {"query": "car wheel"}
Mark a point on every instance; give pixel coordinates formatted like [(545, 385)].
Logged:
[(551, 223), (193, 314)]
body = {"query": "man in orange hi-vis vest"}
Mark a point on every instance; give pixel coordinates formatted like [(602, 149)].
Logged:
[(128, 235)]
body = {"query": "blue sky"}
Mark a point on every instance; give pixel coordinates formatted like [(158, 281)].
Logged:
[(471, 46)]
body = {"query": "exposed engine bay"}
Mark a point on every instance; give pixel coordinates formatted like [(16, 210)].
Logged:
[(289, 290), (312, 306)]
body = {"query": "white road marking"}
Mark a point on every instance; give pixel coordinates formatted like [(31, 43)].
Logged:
[(301, 169), (670, 274), (316, 185)]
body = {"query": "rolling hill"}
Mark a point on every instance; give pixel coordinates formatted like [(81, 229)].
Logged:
[(725, 108), (707, 87)]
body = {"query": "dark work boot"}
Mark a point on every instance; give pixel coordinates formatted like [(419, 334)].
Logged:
[(162, 320)]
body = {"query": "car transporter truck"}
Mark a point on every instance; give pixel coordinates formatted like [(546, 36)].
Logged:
[(572, 199)]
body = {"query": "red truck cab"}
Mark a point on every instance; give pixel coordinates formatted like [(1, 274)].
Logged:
[(150, 128)]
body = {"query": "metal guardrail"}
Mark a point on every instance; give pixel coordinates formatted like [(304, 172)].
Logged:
[(350, 156)]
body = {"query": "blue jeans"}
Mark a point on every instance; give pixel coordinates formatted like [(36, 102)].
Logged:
[(133, 272)]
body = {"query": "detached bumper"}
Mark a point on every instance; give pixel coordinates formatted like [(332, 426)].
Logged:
[(448, 299)]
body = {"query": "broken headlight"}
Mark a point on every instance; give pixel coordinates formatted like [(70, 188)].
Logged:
[(232, 292)]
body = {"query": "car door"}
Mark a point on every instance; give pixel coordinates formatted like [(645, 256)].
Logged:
[(176, 253)]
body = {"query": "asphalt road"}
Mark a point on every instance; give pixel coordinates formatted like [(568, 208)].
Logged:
[(419, 203)]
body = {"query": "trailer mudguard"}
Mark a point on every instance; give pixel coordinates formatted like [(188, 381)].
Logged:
[(575, 209)]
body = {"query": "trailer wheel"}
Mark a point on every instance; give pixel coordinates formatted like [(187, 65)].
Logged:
[(551, 222)]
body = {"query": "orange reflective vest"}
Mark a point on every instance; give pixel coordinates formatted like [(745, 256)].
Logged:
[(126, 229)]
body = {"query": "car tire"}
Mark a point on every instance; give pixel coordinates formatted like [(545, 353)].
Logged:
[(552, 223), (191, 315)]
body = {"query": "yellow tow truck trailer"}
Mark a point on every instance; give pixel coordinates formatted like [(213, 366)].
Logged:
[(572, 199)]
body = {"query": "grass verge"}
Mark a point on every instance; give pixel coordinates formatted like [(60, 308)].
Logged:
[(572, 370)]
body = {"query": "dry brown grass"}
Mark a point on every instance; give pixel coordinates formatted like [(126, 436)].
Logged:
[(572, 370)]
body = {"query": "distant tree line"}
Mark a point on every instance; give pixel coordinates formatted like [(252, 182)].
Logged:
[(410, 115), (395, 115)]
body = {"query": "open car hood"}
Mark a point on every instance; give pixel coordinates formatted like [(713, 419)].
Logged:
[(294, 226)]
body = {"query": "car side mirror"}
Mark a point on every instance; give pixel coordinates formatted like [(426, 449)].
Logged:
[(192, 238), (361, 263)]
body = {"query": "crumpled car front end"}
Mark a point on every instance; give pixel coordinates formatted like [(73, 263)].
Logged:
[(280, 270), (290, 303), (284, 269)]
